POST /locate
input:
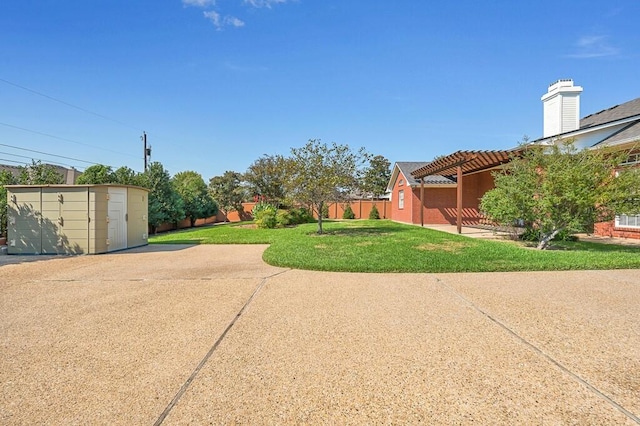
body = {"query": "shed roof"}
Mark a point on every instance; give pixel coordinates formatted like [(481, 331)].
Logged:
[(470, 161), (65, 186)]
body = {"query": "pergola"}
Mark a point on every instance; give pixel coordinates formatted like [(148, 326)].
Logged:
[(462, 163)]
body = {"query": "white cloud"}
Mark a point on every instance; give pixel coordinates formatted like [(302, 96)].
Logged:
[(594, 47), (214, 17), (263, 3), (219, 22), (213, 12), (233, 21), (199, 3)]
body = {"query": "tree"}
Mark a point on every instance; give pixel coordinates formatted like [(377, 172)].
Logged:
[(319, 173), (198, 204), (40, 174), (96, 175), (558, 188), (126, 176), (266, 177), (165, 204), (6, 178), (376, 176), (227, 191)]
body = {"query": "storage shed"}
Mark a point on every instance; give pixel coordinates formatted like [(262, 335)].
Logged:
[(75, 219)]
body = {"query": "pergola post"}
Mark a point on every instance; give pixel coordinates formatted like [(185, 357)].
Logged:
[(421, 202), (459, 199)]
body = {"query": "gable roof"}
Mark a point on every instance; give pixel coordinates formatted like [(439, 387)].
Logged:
[(407, 167), (617, 112)]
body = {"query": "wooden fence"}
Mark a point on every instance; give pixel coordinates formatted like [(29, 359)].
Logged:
[(361, 209)]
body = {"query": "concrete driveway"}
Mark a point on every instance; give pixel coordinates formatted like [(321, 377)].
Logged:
[(212, 335)]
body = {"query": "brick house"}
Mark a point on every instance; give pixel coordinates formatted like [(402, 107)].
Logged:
[(469, 173), (406, 192), (616, 128)]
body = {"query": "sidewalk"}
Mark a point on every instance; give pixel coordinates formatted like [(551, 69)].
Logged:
[(471, 232), (490, 234)]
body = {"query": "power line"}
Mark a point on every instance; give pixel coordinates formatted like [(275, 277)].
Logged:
[(13, 161), (49, 154), (65, 139), (26, 164), (33, 159), (68, 104)]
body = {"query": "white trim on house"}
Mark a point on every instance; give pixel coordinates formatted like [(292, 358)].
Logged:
[(628, 221)]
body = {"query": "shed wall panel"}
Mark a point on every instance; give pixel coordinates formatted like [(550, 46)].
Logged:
[(98, 230), (137, 222), (65, 222), (23, 221)]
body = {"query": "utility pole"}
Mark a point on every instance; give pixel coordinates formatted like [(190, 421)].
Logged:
[(147, 150)]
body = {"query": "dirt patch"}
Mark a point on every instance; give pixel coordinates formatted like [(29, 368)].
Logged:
[(449, 246), (365, 244)]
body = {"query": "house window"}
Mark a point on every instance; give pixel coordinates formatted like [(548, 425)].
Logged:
[(401, 182), (401, 199), (627, 221)]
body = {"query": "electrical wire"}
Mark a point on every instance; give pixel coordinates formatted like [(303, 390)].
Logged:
[(64, 139), (68, 104), (38, 159), (46, 153), (85, 110)]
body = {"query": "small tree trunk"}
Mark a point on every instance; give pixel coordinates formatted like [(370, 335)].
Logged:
[(544, 242), (320, 205)]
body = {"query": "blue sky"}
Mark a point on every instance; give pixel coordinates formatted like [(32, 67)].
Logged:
[(217, 84)]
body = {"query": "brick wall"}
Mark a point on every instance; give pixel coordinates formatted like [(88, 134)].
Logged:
[(608, 229)]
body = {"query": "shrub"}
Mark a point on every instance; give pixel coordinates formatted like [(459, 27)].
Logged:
[(283, 218), (374, 214), (300, 215), (264, 215), (262, 205), (348, 213)]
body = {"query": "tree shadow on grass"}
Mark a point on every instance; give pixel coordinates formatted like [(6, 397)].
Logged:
[(594, 247)]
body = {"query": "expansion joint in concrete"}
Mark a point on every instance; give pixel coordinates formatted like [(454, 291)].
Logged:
[(631, 416), (213, 348)]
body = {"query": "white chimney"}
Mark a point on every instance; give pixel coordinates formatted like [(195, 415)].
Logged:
[(561, 108)]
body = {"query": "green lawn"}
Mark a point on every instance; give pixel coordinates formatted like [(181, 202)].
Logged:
[(385, 246)]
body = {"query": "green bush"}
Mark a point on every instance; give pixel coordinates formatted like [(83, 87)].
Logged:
[(348, 213), (264, 215), (300, 215), (283, 218), (261, 206), (374, 214)]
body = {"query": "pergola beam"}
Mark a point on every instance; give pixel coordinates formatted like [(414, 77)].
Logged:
[(460, 163)]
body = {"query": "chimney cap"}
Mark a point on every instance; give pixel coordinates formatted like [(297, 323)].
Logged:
[(567, 81)]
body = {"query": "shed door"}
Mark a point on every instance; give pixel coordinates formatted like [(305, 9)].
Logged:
[(117, 210)]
